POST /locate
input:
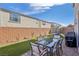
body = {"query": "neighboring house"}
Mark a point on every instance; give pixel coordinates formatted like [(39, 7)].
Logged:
[(15, 26), (69, 28)]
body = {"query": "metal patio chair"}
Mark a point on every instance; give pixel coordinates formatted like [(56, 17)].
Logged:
[(54, 50), (40, 39), (60, 47), (37, 51)]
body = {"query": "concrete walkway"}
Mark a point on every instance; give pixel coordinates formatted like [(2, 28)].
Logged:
[(67, 51)]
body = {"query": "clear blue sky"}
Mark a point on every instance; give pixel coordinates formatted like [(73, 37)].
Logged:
[(60, 13)]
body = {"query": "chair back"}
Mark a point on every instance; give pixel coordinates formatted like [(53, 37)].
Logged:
[(60, 43), (56, 45), (35, 49)]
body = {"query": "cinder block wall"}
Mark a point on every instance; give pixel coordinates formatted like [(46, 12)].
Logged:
[(12, 34)]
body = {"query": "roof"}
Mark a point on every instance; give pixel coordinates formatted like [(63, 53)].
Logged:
[(3, 9)]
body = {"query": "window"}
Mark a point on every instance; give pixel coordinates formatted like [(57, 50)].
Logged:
[(14, 17), (44, 23)]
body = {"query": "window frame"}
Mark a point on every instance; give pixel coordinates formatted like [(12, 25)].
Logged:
[(43, 23), (15, 16)]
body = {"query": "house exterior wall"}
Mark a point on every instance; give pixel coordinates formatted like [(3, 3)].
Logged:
[(24, 22), (67, 29), (76, 22), (26, 29)]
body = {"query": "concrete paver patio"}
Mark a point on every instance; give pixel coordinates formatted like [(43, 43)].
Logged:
[(68, 51)]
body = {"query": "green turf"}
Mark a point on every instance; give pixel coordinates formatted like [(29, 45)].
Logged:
[(16, 49)]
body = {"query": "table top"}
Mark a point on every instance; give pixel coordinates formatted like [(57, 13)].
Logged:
[(44, 42), (53, 42), (49, 43)]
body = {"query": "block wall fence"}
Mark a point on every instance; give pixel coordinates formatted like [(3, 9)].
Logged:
[(13, 34)]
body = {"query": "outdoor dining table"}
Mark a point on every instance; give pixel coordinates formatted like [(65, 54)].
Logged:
[(48, 43), (51, 45)]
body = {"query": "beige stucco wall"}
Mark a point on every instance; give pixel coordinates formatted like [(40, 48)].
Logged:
[(25, 21), (76, 22)]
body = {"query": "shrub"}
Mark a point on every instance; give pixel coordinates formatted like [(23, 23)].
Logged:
[(34, 38), (62, 36), (50, 36)]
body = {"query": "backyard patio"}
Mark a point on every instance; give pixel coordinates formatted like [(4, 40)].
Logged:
[(25, 49), (67, 51)]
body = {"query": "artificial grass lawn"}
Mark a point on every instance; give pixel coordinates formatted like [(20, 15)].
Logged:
[(16, 49)]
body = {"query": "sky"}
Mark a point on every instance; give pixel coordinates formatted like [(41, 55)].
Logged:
[(62, 13)]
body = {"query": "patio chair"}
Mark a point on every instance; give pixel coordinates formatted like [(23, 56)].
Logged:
[(60, 47), (37, 51), (39, 39), (54, 50)]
